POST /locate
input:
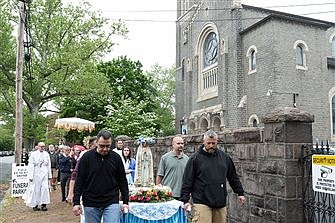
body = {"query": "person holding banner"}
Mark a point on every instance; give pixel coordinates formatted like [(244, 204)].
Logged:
[(39, 175)]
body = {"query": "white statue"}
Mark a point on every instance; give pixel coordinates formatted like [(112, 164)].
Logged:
[(144, 173)]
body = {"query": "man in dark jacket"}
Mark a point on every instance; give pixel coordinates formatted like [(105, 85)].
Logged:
[(205, 178), (65, 165), (100, 177), (54, 165)]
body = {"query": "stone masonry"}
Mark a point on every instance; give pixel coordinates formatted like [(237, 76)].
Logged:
[(241, 96), (267, 161)]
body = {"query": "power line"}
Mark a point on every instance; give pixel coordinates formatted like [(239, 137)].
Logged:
[(215, 20), (215, 9)]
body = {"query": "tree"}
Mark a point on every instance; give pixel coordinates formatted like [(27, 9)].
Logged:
[(65, 43), (163, 80), (6, 138), (127, 81), (130, 119), (128, 86)]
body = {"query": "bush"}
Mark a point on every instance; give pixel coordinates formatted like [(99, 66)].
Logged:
[(7, 144)]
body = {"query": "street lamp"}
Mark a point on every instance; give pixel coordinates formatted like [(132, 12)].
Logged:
[(270, 93)]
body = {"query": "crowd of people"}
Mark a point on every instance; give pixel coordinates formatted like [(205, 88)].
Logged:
[(92, 177)]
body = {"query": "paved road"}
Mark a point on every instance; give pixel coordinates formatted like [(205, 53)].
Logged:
[(5, 172), (6, 168)]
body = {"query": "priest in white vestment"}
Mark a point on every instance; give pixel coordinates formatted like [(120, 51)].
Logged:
[(39, 175)]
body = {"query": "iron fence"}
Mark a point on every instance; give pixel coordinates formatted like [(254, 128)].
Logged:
[(318, 207)]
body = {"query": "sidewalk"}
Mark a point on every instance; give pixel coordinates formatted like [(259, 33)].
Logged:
[(14, 210)]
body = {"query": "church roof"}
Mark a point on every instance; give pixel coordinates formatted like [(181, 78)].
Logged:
[(285, 16)]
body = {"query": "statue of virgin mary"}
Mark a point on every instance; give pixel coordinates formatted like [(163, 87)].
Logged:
[(144, 173)]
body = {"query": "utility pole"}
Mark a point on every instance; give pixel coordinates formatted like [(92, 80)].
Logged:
[(19, 71)]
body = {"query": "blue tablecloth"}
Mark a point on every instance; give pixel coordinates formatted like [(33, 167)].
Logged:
[(165, 212)]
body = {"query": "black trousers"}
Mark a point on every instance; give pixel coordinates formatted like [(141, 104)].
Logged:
[(64, 184)]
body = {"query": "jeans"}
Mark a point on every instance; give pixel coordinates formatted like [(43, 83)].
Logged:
[(109, 214)]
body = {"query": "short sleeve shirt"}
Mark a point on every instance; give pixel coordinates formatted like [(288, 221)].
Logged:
[(171, 168)]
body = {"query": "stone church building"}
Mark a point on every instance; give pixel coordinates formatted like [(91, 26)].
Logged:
[(236, 63)]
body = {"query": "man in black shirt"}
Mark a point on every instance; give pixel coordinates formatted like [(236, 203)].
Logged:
[(100, 177), (205, 178)]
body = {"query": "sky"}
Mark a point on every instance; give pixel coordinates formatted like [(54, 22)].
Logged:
[(151, 24)]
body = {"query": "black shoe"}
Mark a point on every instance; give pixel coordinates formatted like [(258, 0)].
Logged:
[(44, 207), (36, 208)]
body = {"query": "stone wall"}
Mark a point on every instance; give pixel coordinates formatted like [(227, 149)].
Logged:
[(267, 161)]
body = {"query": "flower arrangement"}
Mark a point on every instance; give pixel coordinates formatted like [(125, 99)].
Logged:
[(150, 195), (145, 140)]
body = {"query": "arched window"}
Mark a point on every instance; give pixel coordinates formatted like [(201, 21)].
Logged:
[(253, 120), (204, 125), (207, 62), (301, 49), (210, 49), (251, 55), (216, 124), (299, 56), (253, 60), (254, 123)]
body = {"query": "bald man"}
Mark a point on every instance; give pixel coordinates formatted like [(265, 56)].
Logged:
[(171, 167), (39, 174)]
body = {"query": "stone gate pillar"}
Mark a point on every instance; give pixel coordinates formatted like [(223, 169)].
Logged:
[(286, 130)]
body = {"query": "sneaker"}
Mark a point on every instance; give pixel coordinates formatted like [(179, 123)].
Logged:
[(44, 207), (36, 208)]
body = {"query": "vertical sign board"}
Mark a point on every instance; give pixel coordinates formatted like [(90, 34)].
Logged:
[(323, 173), (19, 180)]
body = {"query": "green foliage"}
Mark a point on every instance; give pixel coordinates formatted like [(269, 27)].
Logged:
[(130, 119), (127, 81), (66, 42), (163, 80), (130, 94), (7, 141), (90, 107), (35, 126)]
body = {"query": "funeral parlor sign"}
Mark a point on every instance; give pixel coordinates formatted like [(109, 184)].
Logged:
[(19, 180)]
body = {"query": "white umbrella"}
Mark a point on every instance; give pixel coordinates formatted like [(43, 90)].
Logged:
[(74, 123)]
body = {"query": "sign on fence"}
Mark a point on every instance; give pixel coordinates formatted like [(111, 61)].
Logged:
[(323, 173), (19, 180)]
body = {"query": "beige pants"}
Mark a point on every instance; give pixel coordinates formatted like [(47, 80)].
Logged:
[(205, 214)]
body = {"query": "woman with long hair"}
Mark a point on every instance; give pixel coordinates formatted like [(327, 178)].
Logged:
[(129, 165)]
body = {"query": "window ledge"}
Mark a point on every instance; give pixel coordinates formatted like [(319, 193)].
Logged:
[(208, 94), (252, 71), (299, 67), (331, 62)]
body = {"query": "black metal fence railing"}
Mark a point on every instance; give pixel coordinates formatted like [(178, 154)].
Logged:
[(318, 207)]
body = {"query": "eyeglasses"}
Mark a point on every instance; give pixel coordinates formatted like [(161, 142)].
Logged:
[(104, 146)]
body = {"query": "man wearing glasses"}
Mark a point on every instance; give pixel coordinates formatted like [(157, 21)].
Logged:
[(100, 177)]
